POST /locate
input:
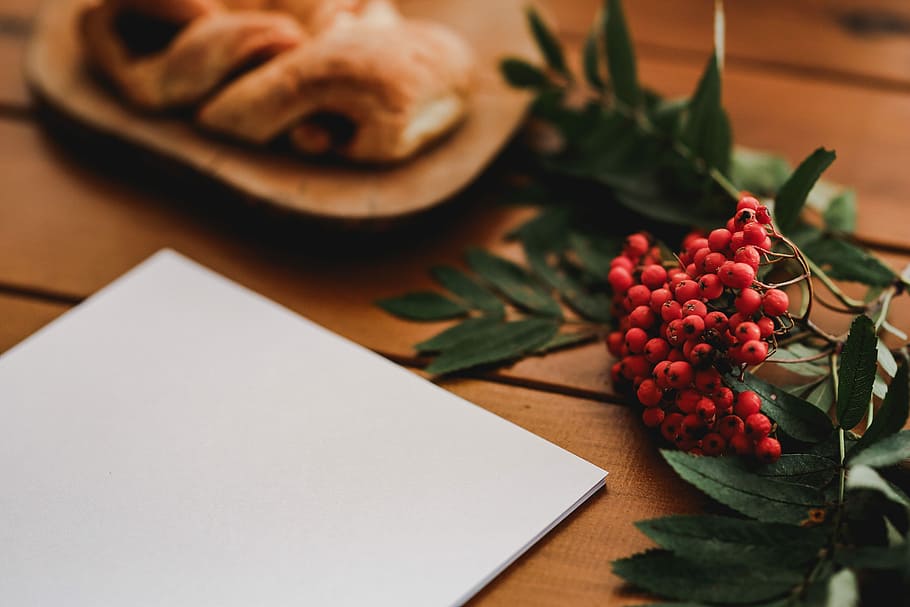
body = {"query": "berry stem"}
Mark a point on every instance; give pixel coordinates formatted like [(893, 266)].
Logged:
[(832, 287)]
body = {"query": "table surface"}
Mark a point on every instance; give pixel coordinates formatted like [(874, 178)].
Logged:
[(799, 73)]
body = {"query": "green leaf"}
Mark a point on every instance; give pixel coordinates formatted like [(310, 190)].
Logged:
[(856, 373), (885, 452), (453, 336), (422, 305), (891, 416), (806, 369), (672, 576), (842, 260), (801, 468), (548, 44), (864, 477), (732, 540), (592, 306), (758, 172), (594, 255), (874, 557), (591, 59), (794, 416), (521, 74), (843, 590), (822, 395), (467, 289), (886, 359), (728, 481), (840, 215), (621, 56), (513, 282), (792, 195), (707, 129), (509, 340), (564, 340)]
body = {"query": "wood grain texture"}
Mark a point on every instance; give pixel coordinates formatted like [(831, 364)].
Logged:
[(56, 71), (22, 316), (867, 43)]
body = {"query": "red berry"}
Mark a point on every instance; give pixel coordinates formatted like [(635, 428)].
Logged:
[(746, 403), (634, 366), (693, 326), (730, 425), (748, 302), (740, 444), (623, 262), (706, 409), (670, 311), (686, 290), (719, 239), (745, 331), (767, 450), (766, 326), (636, 245), (723, 398), (710, 286), (775, 302), (754, 234), (702, 355), (708, 380), (713, 262), (747, 202), (649, 394), (620, 279), (690, 425), (679, 374), (744, 217), (636, 339), (642, 317), (637, 295), (748, 255), (653, 416), (671, 426), (699, 259), (713, 444), (737, 242), (687, 400), (659, 297), (716, 321), (695, 244), (659, 373), (675, 332), (656, 350), (615, 342), (734, 320), (736, 275), (694, 307), (754, 352), (757, 426), (763, 215), (654, 276)]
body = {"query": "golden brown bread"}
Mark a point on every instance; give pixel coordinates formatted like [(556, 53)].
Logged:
[(350, 77)]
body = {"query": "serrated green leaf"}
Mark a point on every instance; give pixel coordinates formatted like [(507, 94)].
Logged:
[(621, 56), (548, 43), (509, 341), (565, 340), (840, 215), (422, 305), (591, 59), (885, 452), (513, 282), (874, 557), (732, 540), (792, 195), (806, 369), (521, 74), (728, 481), (865, 477), (592, 306), (468, 289), (794, 416), (451, 337), (758, 172), (842, 260), (707, 129), (801, 468), (891, 416), (671, 576), (594, 255), (857, 372)]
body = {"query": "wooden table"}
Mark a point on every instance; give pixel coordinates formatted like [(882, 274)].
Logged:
[(800, 73)]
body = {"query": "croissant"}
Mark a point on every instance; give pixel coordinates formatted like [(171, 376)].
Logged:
[(351, 78)]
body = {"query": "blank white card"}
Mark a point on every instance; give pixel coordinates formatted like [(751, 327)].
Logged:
[(180, 441)]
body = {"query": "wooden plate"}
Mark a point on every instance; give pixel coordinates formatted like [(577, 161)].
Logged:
[(56, 72)]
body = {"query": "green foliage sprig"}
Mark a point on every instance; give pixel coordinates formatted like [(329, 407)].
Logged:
[(827, 524)]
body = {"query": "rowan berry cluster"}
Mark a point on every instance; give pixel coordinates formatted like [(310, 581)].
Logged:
[(684, 323)]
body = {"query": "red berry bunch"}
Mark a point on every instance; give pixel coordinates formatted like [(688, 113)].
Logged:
[(685, 322)]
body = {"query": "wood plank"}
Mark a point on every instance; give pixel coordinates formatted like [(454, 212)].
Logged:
[(866, 43), (13, 92), (22, 316)]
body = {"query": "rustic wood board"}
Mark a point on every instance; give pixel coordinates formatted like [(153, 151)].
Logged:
[(55, 70)]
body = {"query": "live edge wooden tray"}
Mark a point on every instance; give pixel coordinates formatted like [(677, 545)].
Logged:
[(56, 72)]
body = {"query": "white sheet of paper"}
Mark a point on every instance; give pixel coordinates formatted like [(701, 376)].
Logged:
[(180, 441)]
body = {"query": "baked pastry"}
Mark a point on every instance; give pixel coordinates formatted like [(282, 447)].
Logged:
[(352, 78)]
